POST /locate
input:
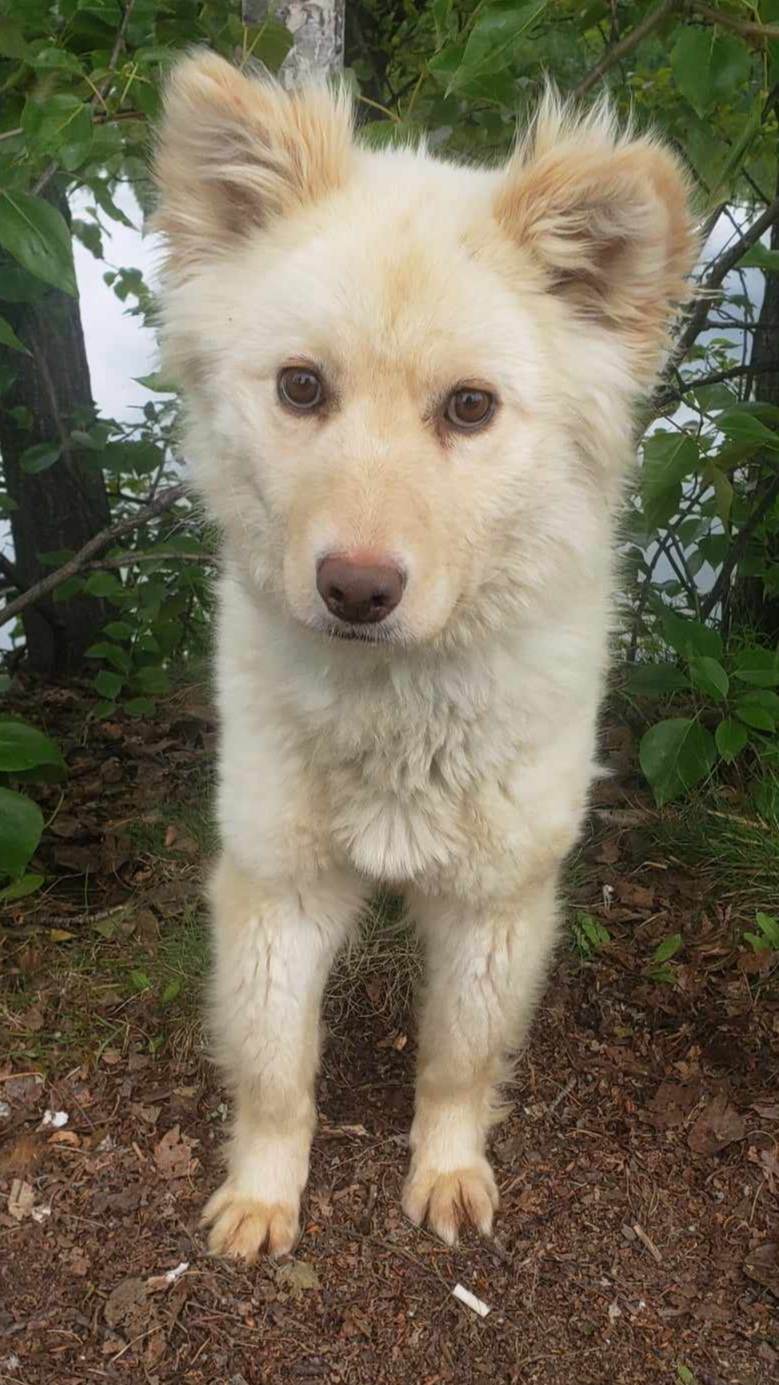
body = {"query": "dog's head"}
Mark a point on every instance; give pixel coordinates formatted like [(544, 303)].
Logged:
[(409, 383)]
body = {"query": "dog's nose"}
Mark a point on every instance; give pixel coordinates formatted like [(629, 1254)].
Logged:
[(359, 592)]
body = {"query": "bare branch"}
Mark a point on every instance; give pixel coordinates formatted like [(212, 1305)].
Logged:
[(625, 46), (663, 398), (95, 545), (718, 272), (747, 28)]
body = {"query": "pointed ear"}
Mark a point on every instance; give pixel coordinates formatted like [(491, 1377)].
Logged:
[(609, 221), (234, 151)]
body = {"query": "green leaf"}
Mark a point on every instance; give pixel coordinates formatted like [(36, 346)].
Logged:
[(171, 990), (36, 234), (40, 457), (675, 755), (108, 684), (744, 427), (709, 66), (493, 40), (769, 927), (656, 680), (119, 630), (113, 653), (21, 825), (12, 41), (690, 637), (19, 889), (757, 656), (668, 459), (103, 584), (762, 697), (709, 675), (152, 679), (139, 980), (758, 666), (8, 337), (668, 948), (104, 709), (24, 747), (755, 716), (139, 707), (690, 65), (760, 257), (155, 382), (730, 738), (60, 120)]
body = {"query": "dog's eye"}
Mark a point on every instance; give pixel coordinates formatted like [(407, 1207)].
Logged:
[(469, 408), (300, 389)]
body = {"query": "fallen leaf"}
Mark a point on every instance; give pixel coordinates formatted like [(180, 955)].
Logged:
[(718, 1125), (297, 1278), (769, 1110), (762, 1265), (20, 1200), (672, 1103), (173, 1154), (124, 1301)]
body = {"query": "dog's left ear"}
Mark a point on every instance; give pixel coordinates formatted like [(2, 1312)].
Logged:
[(233, 152), (608, 219)]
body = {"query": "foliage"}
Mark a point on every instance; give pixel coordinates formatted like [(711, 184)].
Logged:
[(25, 753), (81, 82), (766, 939)]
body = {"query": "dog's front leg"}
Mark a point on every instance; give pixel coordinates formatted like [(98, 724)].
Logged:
[(485, 970), (273, 948)]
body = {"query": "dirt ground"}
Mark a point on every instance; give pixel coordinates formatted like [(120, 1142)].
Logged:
[(638, 1168)]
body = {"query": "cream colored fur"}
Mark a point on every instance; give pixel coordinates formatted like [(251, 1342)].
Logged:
[(451, 759)]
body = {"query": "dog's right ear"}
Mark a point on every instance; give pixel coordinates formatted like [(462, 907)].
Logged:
[(234, 152)]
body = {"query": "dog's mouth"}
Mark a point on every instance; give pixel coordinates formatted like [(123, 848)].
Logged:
[(357, 634)]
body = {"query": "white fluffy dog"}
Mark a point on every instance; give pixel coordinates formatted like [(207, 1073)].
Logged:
[(409, 388)]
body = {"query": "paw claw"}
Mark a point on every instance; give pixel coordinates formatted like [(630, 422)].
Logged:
[(241, 1227), (444, 1200)]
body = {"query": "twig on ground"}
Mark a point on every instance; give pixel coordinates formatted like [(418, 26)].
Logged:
[(647, 1242)]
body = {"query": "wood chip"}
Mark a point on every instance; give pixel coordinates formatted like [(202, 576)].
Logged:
[(648, 1242)]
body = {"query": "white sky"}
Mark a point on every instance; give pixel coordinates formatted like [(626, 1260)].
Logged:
[(119, 347)]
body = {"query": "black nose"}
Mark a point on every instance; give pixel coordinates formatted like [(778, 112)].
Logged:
[(358, 592)]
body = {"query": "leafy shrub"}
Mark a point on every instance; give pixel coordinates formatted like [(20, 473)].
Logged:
[(25, 753)]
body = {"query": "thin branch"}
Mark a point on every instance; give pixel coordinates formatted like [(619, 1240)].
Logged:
[(747, 28), (625, 46), (718, 272), (665, 397), (130, 558), (95, 545), (737, 550)]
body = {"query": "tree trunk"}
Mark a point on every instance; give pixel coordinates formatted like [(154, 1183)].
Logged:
[(317, 27), (65, 505)]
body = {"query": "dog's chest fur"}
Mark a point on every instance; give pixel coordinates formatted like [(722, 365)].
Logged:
[(422, 762)]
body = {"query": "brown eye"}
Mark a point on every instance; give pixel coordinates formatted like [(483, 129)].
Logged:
[(469, 408), (300, 389)]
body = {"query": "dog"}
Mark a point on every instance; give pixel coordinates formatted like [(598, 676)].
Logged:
[(409, 387)]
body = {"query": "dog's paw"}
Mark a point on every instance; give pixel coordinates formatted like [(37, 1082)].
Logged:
[(241, 1227), (444, 1199)]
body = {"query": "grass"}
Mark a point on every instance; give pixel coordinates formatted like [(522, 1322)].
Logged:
[(738, 857)]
